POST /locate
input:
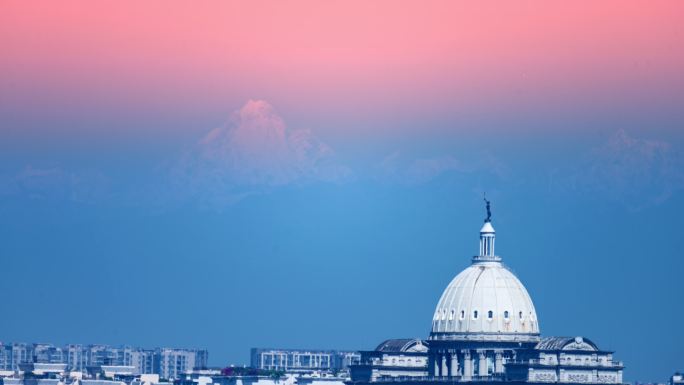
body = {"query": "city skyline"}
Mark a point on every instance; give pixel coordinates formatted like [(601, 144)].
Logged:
[(168, 363), (311, 175)]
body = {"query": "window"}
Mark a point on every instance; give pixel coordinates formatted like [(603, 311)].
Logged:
[(520, 315), (490, 314), (451, 314), (462, 314), (474, 314), (506, 314)]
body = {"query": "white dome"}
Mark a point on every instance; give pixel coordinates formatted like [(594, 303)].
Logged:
[(486, 301)]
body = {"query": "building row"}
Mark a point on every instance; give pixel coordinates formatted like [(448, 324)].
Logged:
[(168, 363), (58, 374)]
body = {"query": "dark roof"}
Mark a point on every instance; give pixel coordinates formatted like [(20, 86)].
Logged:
[(398, 345), (558, 343)]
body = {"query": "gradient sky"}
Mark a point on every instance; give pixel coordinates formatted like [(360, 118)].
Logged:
[(310, 174)]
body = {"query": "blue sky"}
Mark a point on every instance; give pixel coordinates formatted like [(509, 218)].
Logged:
[(341, 249)]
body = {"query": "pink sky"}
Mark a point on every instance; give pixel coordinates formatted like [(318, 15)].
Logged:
[(338, 57)]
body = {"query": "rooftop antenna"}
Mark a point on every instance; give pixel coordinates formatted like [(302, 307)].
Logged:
[(489, 211)]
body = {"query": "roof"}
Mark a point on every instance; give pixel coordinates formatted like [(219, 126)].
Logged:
[(487, 228), (402, 345), (486, 299), (566, 343)]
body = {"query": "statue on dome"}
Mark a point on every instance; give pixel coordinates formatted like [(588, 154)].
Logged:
[(489, 211)]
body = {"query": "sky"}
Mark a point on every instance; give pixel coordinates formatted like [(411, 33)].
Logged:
[(307, 174)]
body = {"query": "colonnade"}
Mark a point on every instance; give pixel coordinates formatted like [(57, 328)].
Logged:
[(466, 363)]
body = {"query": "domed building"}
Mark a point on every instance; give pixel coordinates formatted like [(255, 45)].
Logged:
[(485, 329), (483, 317)]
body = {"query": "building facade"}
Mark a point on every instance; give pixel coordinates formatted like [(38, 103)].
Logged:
[(566, 360), (172, 363), (393, 360), (294, 360), (14, 354)]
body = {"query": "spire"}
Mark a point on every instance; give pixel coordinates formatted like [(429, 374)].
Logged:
[(487, 237)]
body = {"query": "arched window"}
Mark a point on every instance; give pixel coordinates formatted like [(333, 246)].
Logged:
[(462, 314), (520, 315), (490, 314), (475, 314), (506, 314), (451, 314)]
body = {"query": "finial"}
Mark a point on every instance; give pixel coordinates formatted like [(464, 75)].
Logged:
[(489, 211)]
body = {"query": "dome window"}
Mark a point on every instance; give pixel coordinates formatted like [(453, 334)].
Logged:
[(462, 314), (506, 314), (474, 314), (451, 314), (443, 314), (520, 314), (490, 314)]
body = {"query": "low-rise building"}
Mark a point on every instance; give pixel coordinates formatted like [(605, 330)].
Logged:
[(302, 360), (393, 359)]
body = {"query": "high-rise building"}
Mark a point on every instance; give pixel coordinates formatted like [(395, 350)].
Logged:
[(76, 358), (171, 363), (48, 354), (142, 360), (14, 354)]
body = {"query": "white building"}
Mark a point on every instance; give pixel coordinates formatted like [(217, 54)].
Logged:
[(485, 329), (294, 360), (172, 363), (12, 355), (565, 360)]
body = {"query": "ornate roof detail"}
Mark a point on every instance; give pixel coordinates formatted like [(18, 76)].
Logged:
[(566, 343), (403, 345)]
